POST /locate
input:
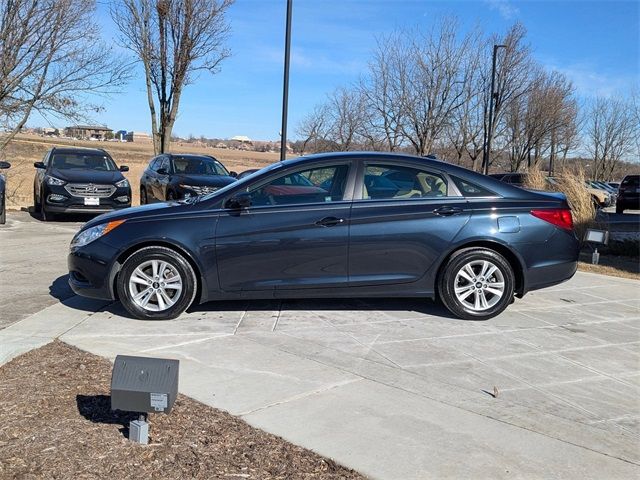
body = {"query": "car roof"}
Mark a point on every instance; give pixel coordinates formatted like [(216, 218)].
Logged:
[(100, 151)]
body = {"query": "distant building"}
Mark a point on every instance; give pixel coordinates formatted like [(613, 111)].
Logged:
[(241, 139), (138, 137), (96, 132), (121, 135)]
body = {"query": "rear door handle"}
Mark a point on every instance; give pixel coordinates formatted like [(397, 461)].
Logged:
[(329, 222), (447, 211)]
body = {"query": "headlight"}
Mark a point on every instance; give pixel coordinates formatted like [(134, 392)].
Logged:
[(122, 183), (54, 181), (198, 189), (90, 234)]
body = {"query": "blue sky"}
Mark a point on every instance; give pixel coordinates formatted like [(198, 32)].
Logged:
[(595, 43)]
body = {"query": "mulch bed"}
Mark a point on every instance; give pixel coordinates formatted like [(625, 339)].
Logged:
[(56, 422)]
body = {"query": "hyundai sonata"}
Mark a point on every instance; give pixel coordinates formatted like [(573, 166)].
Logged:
[(333, 225)]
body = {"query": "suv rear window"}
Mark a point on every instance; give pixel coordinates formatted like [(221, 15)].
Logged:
[(631, 181)]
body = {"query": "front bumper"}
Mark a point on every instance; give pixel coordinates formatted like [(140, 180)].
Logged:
[(57, 199), (92, 270)]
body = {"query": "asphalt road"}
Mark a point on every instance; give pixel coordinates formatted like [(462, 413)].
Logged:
[(33, 265)]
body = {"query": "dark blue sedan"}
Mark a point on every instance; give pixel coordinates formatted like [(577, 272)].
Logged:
[(333, 225)]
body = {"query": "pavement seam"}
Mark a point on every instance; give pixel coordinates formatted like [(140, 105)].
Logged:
[(300, 396)]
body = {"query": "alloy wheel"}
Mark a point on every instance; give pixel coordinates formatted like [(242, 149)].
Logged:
[(479, 285), (155, 285)]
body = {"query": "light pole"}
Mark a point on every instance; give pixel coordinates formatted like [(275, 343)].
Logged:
[(285, 88), (492, 97)]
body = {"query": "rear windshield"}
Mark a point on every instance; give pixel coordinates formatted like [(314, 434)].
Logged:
[(198, 166), (631, 181), (85, 161)]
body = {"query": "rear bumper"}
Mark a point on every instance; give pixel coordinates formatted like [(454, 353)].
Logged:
[(549, 275)]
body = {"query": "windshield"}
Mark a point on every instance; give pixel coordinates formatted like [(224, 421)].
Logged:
[(198, 166), (85, 161), (244, 180)]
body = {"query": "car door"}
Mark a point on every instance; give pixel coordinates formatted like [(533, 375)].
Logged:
[(403, 217), (161, 179), (147, 178), (294, 235), (39, 177)]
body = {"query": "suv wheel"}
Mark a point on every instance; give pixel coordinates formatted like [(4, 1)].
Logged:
[(156, 283), (476, 284)]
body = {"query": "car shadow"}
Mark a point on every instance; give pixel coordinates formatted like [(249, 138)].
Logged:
[(419, 305), (97, 409), (60, 290), (66, 218)]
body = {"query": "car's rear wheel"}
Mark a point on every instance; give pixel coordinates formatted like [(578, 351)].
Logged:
[(476, 284), (156, 283)]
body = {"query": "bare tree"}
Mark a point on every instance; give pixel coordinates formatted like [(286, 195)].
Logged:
[(611, 130), (346, 115), (432, 84), (381, 93), (52, 61), (173, 39), (313, 130)]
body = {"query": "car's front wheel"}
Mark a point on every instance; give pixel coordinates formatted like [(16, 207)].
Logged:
[(476, 284), (156, 283)]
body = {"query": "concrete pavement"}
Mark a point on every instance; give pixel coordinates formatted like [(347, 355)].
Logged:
[(396, 388)]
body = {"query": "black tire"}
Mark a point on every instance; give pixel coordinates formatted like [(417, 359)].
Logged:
[(177, 262), (44, 215), (3, 211), (143, 196), (447, 283), (36, 203), (619, 209)]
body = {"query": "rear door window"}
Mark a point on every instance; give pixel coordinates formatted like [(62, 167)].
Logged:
[(398, 182)]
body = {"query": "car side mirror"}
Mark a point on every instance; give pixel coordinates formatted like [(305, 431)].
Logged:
[(233, 174), (162, 171), (39, 165), (123, 168), (4, 165), (239, 201)]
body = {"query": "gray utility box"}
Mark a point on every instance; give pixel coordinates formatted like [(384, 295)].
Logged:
[(141, 384)]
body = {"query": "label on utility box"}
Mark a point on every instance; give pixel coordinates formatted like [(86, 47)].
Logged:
[(159, 401)]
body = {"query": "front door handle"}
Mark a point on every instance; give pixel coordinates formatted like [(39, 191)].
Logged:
[(447, 211), (329, 222)]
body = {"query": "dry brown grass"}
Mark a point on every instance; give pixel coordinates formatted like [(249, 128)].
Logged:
[(26, 149), (571, 183)]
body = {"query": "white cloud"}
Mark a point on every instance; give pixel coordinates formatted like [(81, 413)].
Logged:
[(591, 82), (505, 8)]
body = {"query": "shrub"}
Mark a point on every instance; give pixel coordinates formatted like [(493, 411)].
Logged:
[(571, 183)]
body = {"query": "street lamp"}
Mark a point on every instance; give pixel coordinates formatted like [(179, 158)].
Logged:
[(492, 98), (285, 88)]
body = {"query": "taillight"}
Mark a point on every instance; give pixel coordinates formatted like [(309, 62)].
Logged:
[(560, 217)]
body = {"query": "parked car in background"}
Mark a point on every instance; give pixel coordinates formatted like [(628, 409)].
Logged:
[(614, 185), (176, 176), (246, 173), (3, 196), (628, 194), (79, 180), (357, 224), (605, 188), (600, 198), (517, 178)]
